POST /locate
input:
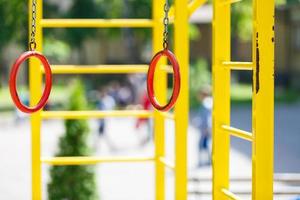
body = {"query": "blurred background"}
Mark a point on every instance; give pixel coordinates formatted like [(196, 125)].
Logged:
[(130, 136)]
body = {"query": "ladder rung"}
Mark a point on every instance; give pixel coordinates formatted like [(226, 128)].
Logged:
[(98, 69), (95, 114), (238, 65), (82, 160), (103, 69), (167, 163), (230, 195), (95, 23), (238, 133)]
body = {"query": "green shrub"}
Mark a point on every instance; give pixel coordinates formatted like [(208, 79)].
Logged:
[(73, 182)]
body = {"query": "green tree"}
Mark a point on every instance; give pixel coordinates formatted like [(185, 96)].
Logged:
[(13, 26), (73, 182)]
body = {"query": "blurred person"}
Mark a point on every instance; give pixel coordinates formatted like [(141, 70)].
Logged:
[(113, 91), (105, 102), (205, 125), (146, 105), (125, 96)]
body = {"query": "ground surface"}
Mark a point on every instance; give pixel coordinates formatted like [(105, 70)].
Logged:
[(136, 181)]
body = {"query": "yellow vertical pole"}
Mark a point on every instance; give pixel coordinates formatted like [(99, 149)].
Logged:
[(160, 91), (263, 100), (181, 33), (221, 97), (35, 84)]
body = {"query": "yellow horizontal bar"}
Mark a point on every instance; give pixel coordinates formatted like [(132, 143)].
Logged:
[(102, 69), (82, 160), (98, 69), (166, 163), (230, 195), (239, 65), (95, 114), (238, 133), (95, 23)]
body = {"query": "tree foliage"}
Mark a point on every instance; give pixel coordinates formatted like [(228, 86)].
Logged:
[(73, 182), (13, 23)]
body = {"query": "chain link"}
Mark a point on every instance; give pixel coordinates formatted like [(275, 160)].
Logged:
[(166, 24), (32, 43)]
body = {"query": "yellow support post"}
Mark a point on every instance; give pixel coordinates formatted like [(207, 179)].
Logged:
[(181, 31), (263, 99), (35, 85), (160, 90), (221, 98)]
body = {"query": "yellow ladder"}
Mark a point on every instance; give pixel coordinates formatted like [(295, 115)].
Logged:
[(180, 116), (262, 65)]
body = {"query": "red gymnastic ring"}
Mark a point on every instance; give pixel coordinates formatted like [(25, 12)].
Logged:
[(13, 77), (176, 81)]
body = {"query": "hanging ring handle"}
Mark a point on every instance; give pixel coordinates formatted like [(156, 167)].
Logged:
[(13, 83), (176, 81)]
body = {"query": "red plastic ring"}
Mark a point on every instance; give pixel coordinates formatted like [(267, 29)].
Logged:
[(176, 81), (13, 84)]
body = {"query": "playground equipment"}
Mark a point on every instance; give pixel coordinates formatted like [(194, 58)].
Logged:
[(150, 77), (183, 9), (20, 60), (262, 66)]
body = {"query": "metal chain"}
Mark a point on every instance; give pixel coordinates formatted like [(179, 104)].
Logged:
[(166, 24), (32, 43)]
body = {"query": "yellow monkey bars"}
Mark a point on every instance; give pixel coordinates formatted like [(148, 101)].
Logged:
[(262, 66), (180, 115)]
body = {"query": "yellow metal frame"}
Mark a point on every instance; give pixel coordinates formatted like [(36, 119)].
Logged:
[(262, 65), (180, 116)]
